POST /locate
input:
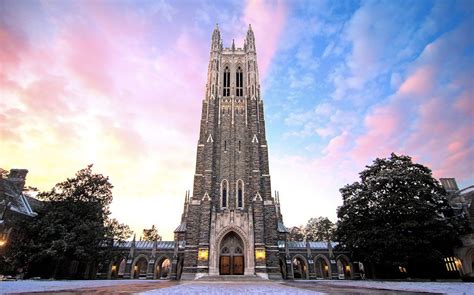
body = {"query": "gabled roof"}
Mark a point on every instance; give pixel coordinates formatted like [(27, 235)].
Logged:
[(282, 228), (11, 193), (181, 228)]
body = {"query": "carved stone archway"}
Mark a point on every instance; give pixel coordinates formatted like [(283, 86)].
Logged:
[(299, 266), (344, 267), (162, 267), (215, 248), (231, 255), (322, 267)]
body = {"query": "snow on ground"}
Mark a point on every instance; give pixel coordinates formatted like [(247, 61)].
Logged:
[(39, 285), (431, 287), (215, 288), (250, 287)]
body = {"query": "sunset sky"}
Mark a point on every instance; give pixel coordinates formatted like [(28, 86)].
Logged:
[(119, 84)]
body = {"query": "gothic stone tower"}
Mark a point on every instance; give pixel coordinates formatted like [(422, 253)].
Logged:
[(231, 224)]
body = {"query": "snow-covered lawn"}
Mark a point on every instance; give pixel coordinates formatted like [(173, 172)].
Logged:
[(37, 286), (241, 287), (224, 288), (431, 287)]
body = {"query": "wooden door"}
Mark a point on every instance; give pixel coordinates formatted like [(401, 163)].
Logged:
[(224, 265), (238, 265)]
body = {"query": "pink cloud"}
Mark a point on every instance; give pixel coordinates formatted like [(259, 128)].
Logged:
[(267, 19), (419, 83), (9, 51), (430, 117), (383, 127)]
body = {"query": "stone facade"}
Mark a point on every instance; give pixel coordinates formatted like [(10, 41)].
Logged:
[(231, 224), (232, 188)]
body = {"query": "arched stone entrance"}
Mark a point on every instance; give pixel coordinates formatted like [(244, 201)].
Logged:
[(121, 268), (321, 265), (344, 268), (162, 268), (139, 267), (300, 268), (231, 255), (116, 268)]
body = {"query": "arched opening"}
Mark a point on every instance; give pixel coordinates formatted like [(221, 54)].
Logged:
[(240, 194), (231, 258), (117, 268), (344, 269), (121, 268), (322, 268), (300, 268), (224, 193), (163, 268), (139, 268)]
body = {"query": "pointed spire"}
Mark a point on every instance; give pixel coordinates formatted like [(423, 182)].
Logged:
[(216, 31), (216, 38), (250, 39), (250, 32), (233, 45)]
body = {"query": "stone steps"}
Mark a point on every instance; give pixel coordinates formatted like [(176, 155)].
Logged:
[(231, 278)]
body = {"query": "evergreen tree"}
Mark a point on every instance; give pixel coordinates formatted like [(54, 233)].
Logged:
[(398, 215)]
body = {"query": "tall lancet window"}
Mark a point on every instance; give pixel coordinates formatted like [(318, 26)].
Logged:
[(239, 78), (226, 82), (224, 193), (240, 194)]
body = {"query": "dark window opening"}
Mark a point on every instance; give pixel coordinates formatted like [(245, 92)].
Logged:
[(239, 78), (225, 145), (226, 91), (239, 199), (239, 145), (224, 197)]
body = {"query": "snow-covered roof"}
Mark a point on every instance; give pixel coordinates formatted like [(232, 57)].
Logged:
[(302, 244), (162, 245)]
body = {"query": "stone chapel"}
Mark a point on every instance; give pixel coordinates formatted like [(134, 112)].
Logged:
[(231, 224)]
